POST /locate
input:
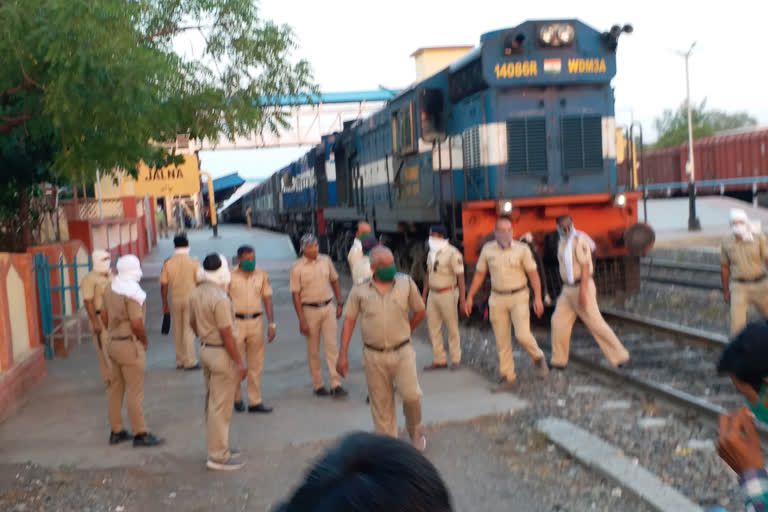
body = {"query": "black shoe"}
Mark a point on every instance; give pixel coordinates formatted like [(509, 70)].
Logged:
[(179, 367), (321, 391), (260, 408), (558, 368), (192, 368), (121, 436), (339, 392), (146, 439), (239, 406), (368, 399)]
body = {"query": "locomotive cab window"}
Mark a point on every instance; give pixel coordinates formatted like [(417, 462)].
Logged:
[(582, 139), (402, 130)]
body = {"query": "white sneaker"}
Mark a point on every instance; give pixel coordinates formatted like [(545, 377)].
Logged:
[(229, 465)]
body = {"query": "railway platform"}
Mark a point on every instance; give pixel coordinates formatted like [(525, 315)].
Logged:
[(487, 447), (669, 218)]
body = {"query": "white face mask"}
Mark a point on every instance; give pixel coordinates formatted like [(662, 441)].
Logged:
[(741, 230), (437, 244)]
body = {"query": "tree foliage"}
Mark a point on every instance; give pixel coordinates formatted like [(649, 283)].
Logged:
[(672, 126), (90, 85)]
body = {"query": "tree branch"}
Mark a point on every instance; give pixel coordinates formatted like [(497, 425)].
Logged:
[(173, 30), (10, 122)]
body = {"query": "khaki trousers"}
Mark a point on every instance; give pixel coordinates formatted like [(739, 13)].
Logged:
[(442, 308), (162, 229), (183, 335), (566, 311), (515, 307), (384, 371), (249, 221), (744, 294), (322, 321), (221, 379), (128, 360), (101, 344), (250, 344)]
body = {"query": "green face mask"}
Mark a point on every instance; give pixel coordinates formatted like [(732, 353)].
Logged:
[(759, 409), (248, 265), (386, 274)]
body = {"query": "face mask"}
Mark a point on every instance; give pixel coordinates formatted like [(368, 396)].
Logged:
[(563, 232), (741, 230), (248, 265), (437, 244), (759, 409), (386, 274), (504, 238)]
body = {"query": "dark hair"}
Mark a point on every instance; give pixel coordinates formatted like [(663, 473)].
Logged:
[(438, 229), (212, 262), (180, 241), (746, 356), (244, 249), (563, 217), (371, 473)]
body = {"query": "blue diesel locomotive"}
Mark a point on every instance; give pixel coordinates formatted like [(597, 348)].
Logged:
[(522, 126)]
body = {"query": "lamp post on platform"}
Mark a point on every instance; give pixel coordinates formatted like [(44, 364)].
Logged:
[(693, 221)]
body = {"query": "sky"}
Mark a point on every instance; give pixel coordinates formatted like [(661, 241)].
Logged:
[(358, 45)]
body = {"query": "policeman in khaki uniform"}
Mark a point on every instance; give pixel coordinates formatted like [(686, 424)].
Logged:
[(213, 320), (123, 310), (511, 265), (389, 359), (445, 270), (742, 264), (248, 289), (92, 287), (180, 274), (311, 280), (579, 298)]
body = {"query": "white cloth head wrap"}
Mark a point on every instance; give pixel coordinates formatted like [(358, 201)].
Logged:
[(221, 276), (740, 225), (101, 261), (128, 276)]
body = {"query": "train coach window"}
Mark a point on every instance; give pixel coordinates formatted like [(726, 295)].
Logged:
[(402, 130), (527, 146), (582, 139)]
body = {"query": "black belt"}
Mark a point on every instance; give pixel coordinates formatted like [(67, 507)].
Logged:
[(510, 292), (393, 349), (126, 338), (98, 311), (753, 280), (317, 304), (247, 317), (208, 345)]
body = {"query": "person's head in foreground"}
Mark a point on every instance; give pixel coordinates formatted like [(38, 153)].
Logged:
[(371, 473), (745, 361)]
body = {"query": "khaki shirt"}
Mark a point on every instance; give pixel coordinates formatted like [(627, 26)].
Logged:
[(92, 287), (384, 317), (180, 273), (210, 308), (745, 258), (247, 289), (121, 311), (361, 272), (582, 254), (312, 279), (507, 266), (448, 263)]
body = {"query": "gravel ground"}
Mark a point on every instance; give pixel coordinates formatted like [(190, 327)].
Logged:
[(494, 464), (681, 452)]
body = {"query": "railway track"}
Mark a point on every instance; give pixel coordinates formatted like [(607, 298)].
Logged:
[(694, 275), (673, 363)]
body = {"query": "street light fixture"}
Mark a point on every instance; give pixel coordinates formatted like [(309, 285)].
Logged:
[(690, 169)]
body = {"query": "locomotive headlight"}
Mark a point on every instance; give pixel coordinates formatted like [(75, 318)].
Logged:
[(506, 207), (565, 34), (620, 201), (547, 34)]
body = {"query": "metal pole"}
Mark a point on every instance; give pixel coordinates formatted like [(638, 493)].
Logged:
[(693, 221), (98, 184), (211, 204)]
